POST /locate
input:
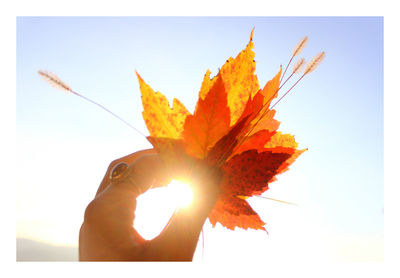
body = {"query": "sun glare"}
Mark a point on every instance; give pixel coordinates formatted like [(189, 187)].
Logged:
[(156, 206), (180, 193)]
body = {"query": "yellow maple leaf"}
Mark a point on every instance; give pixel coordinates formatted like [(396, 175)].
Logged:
[(239, 80), (162, 120)]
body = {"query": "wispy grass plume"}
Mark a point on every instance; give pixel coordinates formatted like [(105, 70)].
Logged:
[(296, 51), (54, 80), (300, 46), (298, 65), (314, 63)]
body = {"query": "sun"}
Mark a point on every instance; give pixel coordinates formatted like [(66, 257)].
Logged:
[(156, 206), (180, 193)]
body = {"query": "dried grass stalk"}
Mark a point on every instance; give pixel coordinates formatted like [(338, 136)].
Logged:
[(314, 62), (299, 64), (53, 80), (300, 45)]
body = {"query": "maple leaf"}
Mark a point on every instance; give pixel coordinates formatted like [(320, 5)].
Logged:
[(249, 173), (209, 122), (161, 120), (232, 128), (256, 141), (233, 212), (239, 80), (263, 120), (285, 143)]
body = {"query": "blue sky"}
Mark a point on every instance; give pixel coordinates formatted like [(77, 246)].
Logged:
[(64, 144)]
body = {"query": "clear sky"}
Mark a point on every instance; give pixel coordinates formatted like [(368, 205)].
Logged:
[(64, 144)]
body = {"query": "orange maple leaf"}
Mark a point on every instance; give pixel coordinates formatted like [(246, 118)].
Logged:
[(209, 122), (232, 128)]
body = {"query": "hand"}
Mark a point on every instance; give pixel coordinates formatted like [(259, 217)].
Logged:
[(107, 233)]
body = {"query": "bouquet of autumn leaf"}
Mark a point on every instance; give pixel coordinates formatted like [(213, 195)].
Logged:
[(232, 129)]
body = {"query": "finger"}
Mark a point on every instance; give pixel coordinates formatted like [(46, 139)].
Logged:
[(148, 171), (129, 159), (145, 172), (107, 232)]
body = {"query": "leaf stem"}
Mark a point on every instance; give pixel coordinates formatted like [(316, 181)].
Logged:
[(286, 92), (276, 200), (287, 66), (110, 112)]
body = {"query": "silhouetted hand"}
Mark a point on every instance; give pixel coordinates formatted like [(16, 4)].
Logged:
[(107, 233)]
